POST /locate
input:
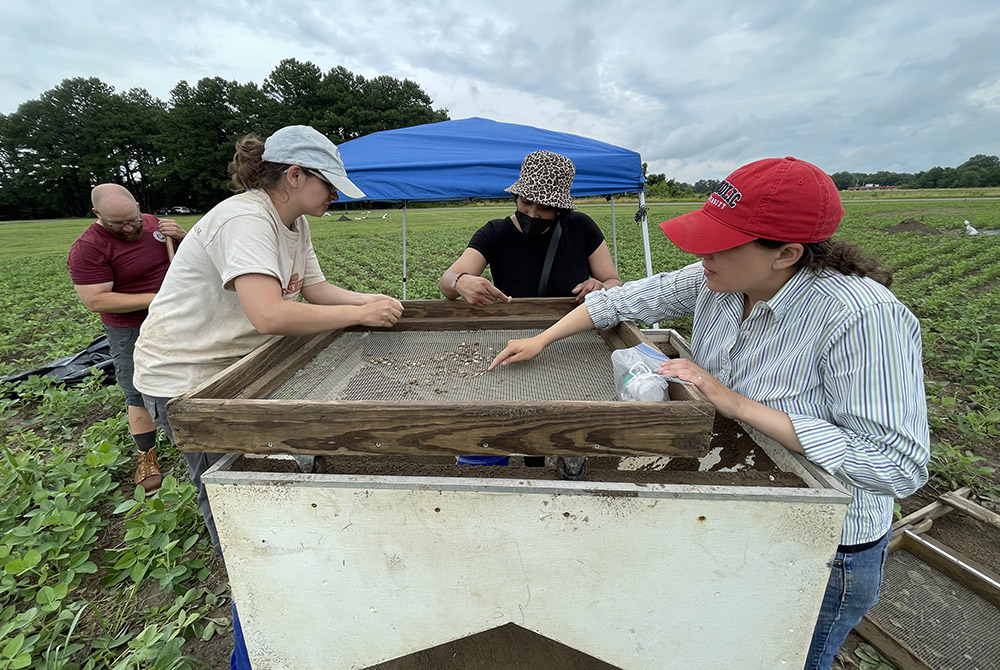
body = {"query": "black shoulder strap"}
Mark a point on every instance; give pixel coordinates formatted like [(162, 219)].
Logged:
[(543, 282)]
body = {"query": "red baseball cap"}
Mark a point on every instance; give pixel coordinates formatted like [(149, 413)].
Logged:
[(781, 199)]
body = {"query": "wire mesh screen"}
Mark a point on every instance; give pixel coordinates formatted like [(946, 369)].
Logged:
[(451, 365), (946, 624)]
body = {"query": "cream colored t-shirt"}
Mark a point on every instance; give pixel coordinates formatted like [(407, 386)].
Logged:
[(196, 326)]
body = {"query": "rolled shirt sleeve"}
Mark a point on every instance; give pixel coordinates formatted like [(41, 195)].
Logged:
[(668, 295), (877, 436)]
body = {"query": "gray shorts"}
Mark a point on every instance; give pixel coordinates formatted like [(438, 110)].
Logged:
[(122, 342)]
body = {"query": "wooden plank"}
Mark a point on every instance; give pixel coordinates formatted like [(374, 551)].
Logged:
[(327, 427), (902, 656), (669, 341), (921, 526), (273, 377), (612, 339), (459, 310), (537, 322), (973, 509), (521, 314), (932, 511), (460, 315), (949, 562), (234, 379), (631, 335)]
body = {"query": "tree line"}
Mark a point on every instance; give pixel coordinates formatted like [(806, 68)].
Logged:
[(979, 171), (175, 152), (53, 150)]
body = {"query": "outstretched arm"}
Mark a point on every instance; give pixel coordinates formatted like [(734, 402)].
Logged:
[(577, 321), (325, 293)]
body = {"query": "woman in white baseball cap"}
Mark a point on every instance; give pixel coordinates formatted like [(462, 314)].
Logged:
[(236, 284)]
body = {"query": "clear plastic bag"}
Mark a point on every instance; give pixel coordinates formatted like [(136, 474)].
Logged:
[(635, 373)]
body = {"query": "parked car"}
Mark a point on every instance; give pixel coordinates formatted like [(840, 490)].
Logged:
[(182, 210)]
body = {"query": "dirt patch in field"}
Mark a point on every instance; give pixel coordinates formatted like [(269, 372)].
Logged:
[(912, 226)]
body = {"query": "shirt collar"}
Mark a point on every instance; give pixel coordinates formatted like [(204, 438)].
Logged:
[(792, 292)]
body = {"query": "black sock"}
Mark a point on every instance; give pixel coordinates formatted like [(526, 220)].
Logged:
[(145, 441)]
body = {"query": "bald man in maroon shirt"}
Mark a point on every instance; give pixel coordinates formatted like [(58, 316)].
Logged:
[(117, 265)]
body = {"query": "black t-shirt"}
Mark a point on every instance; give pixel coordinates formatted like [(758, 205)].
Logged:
[(516, 260)]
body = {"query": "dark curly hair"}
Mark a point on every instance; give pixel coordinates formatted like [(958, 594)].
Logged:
[(842, 257), (249, 170)]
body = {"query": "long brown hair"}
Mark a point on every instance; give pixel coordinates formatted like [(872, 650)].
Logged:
[(249, 170), (842, 257)]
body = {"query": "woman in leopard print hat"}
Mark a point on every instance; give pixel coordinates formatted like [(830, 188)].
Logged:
[(515, 248)]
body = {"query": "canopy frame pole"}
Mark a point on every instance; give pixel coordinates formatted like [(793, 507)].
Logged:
[(404, 250), (614, 232), (645, 234), (645, 241)]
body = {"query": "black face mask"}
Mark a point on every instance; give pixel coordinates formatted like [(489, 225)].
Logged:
[(532, 226)]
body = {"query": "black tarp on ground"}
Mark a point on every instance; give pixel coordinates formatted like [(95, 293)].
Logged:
[(75, 368)]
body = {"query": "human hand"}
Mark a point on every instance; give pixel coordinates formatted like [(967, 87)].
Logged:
[(726, 401), (479, 291), (171, 228), (517, 351), (367, 298), (381, 313), (583, 288)]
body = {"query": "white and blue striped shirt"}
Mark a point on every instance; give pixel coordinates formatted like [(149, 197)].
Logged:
[(839, 354)]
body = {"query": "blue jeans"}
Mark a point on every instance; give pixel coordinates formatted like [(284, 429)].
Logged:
[(238, 660), (852, 590)]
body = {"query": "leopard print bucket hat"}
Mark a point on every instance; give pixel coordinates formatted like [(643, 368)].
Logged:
[(545, 179)]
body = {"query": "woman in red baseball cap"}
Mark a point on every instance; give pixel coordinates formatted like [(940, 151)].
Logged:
[(799, 339)]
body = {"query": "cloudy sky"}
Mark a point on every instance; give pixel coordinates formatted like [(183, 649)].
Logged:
[(697, 88)]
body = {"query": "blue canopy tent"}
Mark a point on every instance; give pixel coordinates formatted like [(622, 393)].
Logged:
[(479, 158)]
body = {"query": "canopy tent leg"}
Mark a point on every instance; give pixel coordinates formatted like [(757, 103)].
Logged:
[(614, 233), (404, 250), (645, 233), (641, 216)]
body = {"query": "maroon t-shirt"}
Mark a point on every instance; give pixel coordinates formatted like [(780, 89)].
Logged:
[(97, 257)]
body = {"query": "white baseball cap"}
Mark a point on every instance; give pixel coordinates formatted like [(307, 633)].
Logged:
[(307, 147)]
